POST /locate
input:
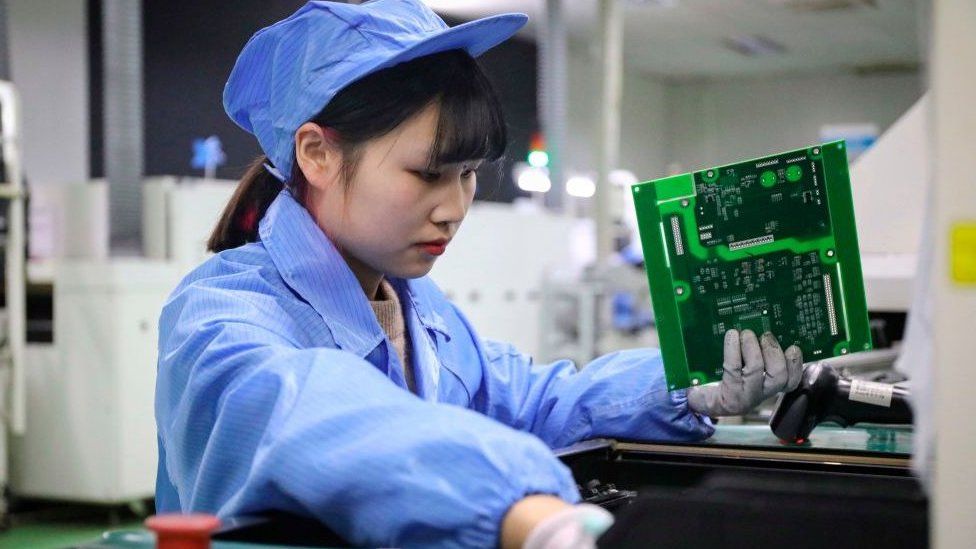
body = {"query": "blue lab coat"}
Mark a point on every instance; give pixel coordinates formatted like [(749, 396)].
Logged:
[(278, 389)]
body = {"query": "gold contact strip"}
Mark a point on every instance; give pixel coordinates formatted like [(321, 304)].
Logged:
[(679, 247), (759, 240), (831, 310)]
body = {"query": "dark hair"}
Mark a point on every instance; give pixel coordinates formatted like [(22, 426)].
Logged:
[(470, 126)]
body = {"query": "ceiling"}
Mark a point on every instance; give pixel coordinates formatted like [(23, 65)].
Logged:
[(683, 39)]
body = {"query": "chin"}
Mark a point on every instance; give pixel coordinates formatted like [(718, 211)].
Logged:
[(412, 271)]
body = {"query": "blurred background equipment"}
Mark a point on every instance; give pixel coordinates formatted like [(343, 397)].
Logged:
[(13, 362), (113, 93)]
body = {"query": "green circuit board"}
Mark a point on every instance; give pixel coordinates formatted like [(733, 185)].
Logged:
[(768, 245)]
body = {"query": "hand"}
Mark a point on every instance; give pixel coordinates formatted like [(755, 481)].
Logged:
[(766, 371), (577, 527), (547, 522)]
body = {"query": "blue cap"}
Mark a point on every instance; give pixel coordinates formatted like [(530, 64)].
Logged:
[(288, 72)]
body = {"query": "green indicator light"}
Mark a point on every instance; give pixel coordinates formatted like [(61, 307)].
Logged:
[(768, 178), (794, 173), (538, 159)]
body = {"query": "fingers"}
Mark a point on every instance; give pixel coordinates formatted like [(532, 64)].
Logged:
[(794, 367), (752, 371), (732, 386), (777, 375), (732, 358)]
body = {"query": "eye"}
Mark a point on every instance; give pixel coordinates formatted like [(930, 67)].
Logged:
[(467, 173), (428, 176)]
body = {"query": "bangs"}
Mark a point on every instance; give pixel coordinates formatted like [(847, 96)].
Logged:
[(470, 123)]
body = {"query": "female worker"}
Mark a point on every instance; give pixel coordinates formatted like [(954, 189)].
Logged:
[(311, 367)]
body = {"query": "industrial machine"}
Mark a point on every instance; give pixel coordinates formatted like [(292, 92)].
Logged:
[(92, 359)]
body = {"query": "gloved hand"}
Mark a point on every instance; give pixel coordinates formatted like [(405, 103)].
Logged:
[(754, 371), (576, 527)]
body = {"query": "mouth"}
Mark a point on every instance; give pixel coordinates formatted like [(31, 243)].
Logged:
[(434, 247)]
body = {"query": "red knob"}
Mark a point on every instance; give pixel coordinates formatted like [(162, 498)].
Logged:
[(176, 531)]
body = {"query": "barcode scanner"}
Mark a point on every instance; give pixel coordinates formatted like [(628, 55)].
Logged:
[(823, 395)]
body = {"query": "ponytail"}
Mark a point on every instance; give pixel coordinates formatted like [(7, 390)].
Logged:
[(238, 223)]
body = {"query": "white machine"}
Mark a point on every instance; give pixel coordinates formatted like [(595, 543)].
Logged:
[(890, 182), (90, 431)]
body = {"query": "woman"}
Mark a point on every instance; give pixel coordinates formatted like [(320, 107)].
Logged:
[(311, 367)]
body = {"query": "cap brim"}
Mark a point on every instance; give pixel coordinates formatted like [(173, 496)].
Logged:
[(475, 37)]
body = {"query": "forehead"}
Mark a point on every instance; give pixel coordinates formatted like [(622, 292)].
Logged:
[(413, 139)]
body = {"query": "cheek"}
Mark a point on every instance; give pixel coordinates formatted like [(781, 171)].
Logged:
[(323, 210), (382, 217)]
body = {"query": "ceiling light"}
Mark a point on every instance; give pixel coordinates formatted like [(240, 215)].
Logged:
[(534, 180), (580, 186)]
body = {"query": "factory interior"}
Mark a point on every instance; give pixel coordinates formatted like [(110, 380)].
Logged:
[(118, 159)]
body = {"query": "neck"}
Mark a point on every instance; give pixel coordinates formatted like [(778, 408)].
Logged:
[(368, 278)]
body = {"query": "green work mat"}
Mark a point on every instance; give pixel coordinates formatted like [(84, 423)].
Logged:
[(884, 439), (144, 539)]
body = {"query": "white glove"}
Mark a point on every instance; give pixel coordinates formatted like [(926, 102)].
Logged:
[(765, 372), (576, 527)]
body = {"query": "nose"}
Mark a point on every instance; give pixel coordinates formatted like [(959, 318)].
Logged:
[(453, 203)]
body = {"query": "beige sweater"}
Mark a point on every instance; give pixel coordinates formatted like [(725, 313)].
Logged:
[(390, 316)]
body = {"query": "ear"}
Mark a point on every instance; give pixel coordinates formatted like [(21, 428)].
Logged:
[(317, 155)]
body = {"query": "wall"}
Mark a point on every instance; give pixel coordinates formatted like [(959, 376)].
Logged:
[(717, 122), (643, 124), (49, 66), (189, 48)]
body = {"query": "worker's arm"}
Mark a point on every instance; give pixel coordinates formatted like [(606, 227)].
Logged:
[(249, 422), (621, 395)]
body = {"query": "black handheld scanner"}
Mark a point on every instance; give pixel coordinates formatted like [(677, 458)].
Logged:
[(823, 395)]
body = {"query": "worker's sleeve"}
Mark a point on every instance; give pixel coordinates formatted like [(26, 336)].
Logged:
[(250, 423), (619, 395)]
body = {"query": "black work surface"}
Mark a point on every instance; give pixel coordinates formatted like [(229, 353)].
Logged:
[(758, 509)]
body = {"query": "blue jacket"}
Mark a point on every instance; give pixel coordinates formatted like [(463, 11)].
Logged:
[(278, 389)]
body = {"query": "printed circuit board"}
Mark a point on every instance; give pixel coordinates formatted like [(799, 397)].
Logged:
[(767, 245)]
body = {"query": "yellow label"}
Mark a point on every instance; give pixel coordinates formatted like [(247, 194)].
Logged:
[(962, 248)]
